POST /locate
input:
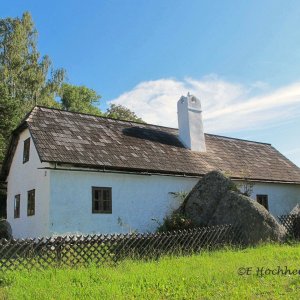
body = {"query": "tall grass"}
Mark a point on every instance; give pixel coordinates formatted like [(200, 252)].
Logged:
[(210, 275)]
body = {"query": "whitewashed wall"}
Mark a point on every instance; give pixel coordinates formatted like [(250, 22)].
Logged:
[(136, 199), (282, 198), (21, 179)]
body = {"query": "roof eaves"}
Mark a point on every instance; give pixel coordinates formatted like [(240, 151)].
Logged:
[(87, 168)]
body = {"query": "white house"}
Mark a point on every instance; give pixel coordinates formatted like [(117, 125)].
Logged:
[(77, 173)]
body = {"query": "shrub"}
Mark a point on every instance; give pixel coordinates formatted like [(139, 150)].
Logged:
[(176, 221)]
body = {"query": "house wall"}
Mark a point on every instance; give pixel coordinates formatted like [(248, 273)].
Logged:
[(136, 200), (21, 179), (282, 198)]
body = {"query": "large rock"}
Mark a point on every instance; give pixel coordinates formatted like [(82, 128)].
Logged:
[(5, 230), (215, 200), (295, 211)]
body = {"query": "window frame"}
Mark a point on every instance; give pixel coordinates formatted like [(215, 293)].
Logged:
[(101, 211), (30, 203), (263, 200), (26, 150), (17, 209)]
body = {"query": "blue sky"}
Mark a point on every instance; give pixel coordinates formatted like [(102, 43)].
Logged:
[(241, 58)]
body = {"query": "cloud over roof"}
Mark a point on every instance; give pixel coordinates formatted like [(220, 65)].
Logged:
[(226, 106)]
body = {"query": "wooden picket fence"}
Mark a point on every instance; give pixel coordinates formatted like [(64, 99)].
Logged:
[(102, 249), (292, 225)]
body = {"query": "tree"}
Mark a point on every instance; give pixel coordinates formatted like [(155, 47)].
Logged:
[(123, 113), (79, 99), (25, 77), (8, 118)]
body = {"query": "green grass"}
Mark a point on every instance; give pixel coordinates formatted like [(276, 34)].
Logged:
[(210, 275)]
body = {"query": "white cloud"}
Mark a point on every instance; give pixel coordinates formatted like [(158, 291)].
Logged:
[(226, 106)]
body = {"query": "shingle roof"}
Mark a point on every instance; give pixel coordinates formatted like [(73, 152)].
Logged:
[(91, 141)]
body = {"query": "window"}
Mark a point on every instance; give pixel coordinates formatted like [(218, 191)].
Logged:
[(17, 207), (31, 203), (263, 200), (26, 150), (101, 200)]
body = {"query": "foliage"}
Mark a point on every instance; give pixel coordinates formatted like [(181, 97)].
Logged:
[(123, 113), (28, 79), (8, 118), (210, 275), (176, 221), (79, 99), (246, 187), (25, 76)]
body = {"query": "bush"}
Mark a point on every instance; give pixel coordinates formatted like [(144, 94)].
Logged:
[(176, 221)]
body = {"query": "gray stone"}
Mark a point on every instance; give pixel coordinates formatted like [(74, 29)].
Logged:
[(5, 230), (215, 200), (295, 210)]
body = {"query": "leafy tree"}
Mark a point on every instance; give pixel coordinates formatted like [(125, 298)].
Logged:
[(83, 99), (123, 113), (26, 78), (79, 99), (8, 118), (26, 75)]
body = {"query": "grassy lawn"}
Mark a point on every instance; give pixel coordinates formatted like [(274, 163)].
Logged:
[(210, 275)]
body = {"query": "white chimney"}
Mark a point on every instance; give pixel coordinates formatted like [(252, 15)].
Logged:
[(190, 123)]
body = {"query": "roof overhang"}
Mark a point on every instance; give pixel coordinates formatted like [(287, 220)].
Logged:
[(64, 166)]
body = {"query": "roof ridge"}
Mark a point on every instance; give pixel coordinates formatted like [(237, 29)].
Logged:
[(238, 139)]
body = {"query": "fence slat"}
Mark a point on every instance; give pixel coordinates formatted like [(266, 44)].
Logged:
[(292, 225), (103, 248)]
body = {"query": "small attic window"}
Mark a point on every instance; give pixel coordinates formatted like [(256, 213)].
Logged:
[(26, 150)]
